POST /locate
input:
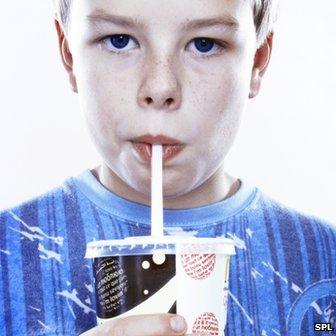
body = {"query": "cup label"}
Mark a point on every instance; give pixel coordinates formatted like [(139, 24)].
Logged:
[(193, 285), (123, 283)]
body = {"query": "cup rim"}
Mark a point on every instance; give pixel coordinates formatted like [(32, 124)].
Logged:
[(167, 244)]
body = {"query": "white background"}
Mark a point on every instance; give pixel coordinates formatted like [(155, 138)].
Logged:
[(286, 144)]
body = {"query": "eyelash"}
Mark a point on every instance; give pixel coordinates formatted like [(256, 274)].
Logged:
[(219, 45)]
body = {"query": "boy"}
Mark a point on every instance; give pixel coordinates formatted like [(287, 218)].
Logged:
[(176, 73)]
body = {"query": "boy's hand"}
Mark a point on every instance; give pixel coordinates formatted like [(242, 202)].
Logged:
[(141, 325)]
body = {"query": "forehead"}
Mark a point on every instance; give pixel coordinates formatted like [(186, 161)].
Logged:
[(234, 14)]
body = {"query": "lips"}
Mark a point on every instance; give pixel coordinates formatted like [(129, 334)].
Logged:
[(170, 146)]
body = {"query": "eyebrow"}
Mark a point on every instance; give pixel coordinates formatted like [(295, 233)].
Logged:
[(227, 21), (124, 21)]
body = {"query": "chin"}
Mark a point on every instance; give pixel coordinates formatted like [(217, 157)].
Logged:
[(173, 185)]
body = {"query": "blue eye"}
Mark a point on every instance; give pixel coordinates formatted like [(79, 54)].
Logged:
[(204, 46), (120, 42)]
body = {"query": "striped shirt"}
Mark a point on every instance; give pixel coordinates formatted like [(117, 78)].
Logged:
[(282, 278)]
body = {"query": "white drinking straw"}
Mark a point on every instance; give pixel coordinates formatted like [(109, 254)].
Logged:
[(156, 195)]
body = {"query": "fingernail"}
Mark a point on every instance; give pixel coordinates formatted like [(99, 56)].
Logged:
[(177, 323)]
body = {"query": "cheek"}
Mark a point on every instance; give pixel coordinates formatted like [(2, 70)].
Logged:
[(104, 101), (219, 99)]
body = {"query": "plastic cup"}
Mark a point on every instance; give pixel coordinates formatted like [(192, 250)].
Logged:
[(147, 275)]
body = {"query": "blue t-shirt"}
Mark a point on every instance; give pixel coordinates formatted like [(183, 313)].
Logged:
[(282, 278)]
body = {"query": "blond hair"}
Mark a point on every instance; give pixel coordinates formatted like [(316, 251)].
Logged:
[(264, 13)]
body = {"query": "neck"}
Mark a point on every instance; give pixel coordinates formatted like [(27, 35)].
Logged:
[(217, 188)]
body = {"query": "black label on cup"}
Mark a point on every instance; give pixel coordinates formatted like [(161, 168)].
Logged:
[(124, 282)]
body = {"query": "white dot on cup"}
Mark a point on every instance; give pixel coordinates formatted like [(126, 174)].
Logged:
[(159, 258), (145, 264), (146, 291)]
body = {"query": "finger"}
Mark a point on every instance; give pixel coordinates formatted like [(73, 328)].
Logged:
[(146, 325)]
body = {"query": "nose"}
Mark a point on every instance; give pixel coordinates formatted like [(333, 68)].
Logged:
[(160, 88)]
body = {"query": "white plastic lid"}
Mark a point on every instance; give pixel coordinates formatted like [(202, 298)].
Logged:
[(141, 245)]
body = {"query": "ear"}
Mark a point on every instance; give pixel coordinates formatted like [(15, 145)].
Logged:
[(261, 60), (66, 55)]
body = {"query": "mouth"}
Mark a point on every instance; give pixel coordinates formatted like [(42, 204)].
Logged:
[(170, 147)]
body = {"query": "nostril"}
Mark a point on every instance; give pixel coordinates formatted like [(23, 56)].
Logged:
[(169, 101), (149, 100)]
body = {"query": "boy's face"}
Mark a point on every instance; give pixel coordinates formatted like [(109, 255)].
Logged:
[(179, 68)]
